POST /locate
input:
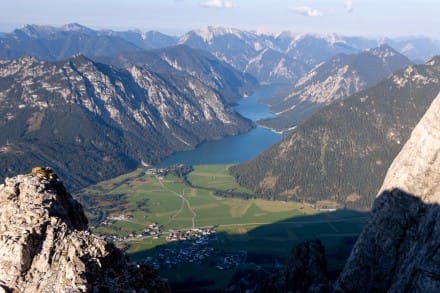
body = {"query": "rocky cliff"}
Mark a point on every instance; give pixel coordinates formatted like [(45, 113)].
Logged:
[(45, 244)]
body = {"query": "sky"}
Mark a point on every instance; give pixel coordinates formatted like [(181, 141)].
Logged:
[(346, 17)]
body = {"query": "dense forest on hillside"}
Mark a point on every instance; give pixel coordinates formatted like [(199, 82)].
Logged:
[(342, 152)]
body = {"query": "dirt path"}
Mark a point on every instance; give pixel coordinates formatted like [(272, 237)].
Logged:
[(185, 201)]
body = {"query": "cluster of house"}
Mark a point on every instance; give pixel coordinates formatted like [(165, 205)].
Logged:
[(191, 234), (154, 230), (178, 170), (160, 173), (196, 252)]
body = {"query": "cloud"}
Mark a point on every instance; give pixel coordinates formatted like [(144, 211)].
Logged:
[(217, 4), (306, 11), (349, 5)]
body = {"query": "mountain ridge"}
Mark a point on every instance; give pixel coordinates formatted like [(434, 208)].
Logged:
[(280, 57), (333, 80)]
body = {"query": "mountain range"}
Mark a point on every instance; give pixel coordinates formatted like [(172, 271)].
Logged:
[(94, 121), (281, 57), (330, 81), (338, 157)]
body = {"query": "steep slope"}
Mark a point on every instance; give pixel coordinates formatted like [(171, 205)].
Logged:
[(94, 121), (229, 82), (341, 153), (333, 80), (45, 244)]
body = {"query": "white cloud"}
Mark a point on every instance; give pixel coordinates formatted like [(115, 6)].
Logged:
[(306, 11), (217, 4), (348, 5)]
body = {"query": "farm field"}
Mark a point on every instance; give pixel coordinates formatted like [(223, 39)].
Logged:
[(265, 231)]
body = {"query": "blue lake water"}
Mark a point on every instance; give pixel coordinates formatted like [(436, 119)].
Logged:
[(233, 149)]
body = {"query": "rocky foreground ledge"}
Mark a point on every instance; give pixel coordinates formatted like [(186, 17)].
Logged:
[(45, 244)]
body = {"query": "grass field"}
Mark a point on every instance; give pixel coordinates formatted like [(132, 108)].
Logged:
[(174, 205), (259, 227)]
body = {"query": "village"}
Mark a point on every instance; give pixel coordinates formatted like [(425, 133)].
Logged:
[(178, 170), (194, 245), (195, 252)]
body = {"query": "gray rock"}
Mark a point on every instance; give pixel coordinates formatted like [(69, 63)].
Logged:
[(45, 245)]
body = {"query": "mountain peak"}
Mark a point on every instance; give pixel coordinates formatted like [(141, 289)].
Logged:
[(383, 51), (46, 246), (70, 27)]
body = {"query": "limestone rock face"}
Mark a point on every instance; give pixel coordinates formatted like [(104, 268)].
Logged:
[(397, 250), (416, 168), (45, 244)]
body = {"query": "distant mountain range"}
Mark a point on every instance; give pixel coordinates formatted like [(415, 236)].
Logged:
[(339, 156), (283, 57), (330, 81), (92, 121)]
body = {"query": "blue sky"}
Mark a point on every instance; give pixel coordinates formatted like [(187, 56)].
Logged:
[(348, 17)]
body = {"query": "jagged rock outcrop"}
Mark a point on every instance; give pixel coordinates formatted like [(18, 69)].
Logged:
[(45, 245)]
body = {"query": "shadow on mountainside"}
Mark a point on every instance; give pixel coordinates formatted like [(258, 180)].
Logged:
[(241, 261), (398, 249)]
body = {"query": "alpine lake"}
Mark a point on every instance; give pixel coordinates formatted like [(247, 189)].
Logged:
[(188, 224), (234, 149)]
